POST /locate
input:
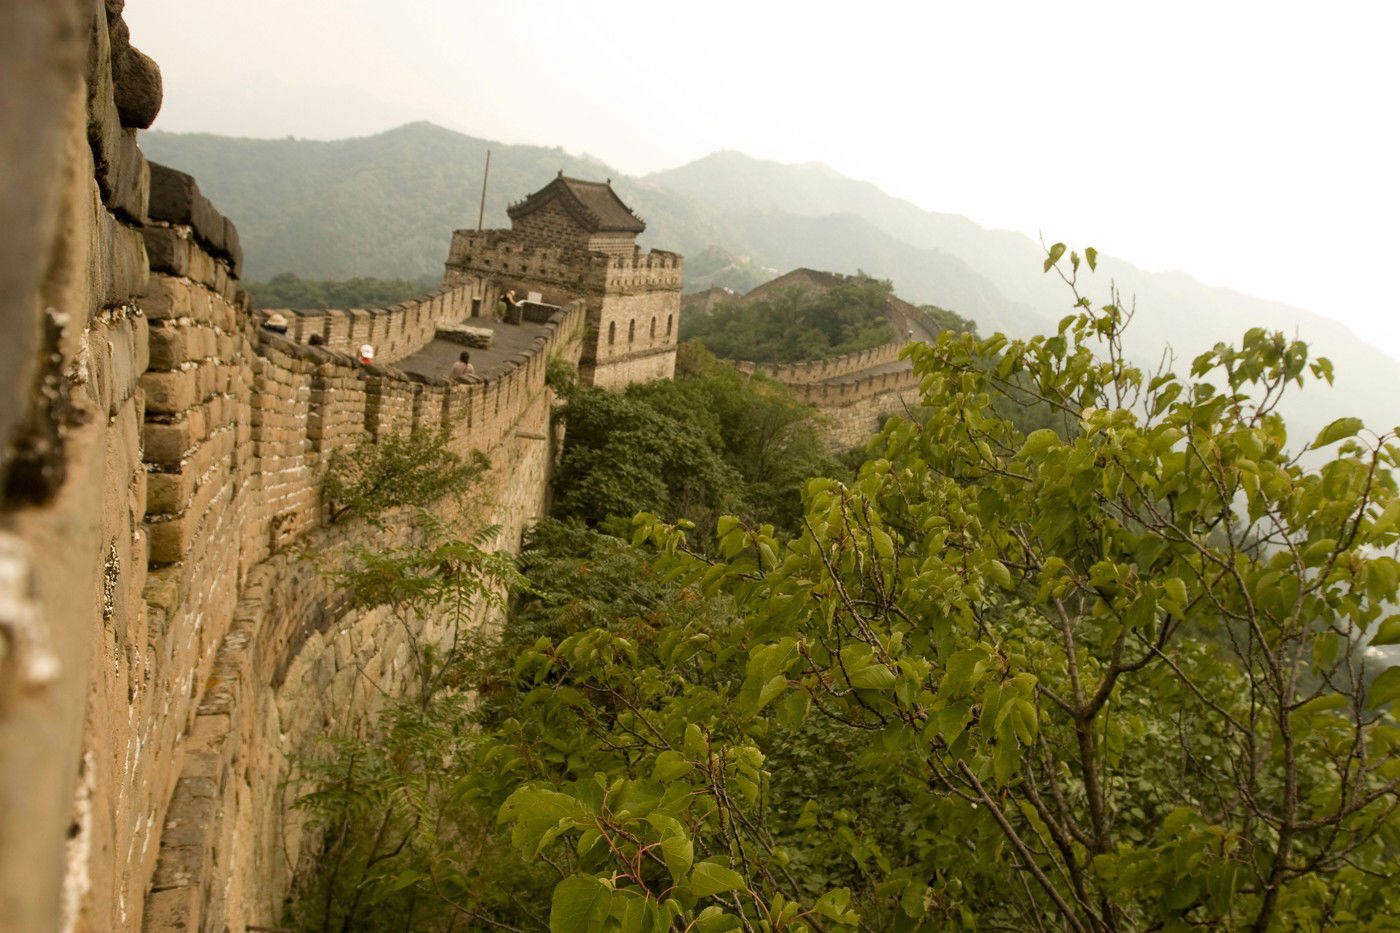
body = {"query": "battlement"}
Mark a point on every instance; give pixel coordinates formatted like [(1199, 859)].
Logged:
[(849, 391), (395, 332), (657, 269), (836, 367)]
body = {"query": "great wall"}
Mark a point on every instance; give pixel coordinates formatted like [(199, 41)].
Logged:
[(855, 392), (167, 645)]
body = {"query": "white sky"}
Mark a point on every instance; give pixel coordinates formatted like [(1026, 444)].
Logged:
[(1251, 144)]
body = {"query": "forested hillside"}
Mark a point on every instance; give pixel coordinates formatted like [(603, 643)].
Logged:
[(1114, 674)]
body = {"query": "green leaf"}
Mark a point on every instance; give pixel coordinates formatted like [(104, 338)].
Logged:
[(678, 853), (874, 677), (1056, 252), (835, 905), (1037, 441), (793, 709), (669, 766), (539, 816), (1342, 427), (999, 574), (709, 878), (1323, 703), (1091, 255), (1384, 689), (1388, 632), (581, 904), (694, 744), (714, 920)]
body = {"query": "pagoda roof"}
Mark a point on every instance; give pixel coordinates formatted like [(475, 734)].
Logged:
[(594, 204)]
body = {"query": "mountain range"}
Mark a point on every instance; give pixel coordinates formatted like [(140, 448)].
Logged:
[(386, 205)]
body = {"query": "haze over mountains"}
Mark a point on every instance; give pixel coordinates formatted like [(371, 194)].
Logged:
[(385, 206)]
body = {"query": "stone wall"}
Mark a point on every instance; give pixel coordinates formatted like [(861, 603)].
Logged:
[(164, 649), (855, 407), (854, 393), (835, 367), (398, 331), (636, 337), (552, 225), (624, 294)]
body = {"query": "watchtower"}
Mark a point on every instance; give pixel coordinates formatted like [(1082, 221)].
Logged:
[(576, 239)]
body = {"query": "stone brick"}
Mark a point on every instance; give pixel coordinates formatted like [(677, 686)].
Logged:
[(167, 347), (169, 392), (167, 444), (165, 299), (169, 252), (170, 538), (175, 909)]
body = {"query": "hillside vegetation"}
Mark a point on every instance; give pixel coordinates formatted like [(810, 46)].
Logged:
[(287, 290), (1103, 678), (797, 324)]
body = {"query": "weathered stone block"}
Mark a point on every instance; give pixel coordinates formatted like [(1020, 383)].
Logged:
[(167, 348), (175, 909), (170, 539), (168, 251), (168, 492), (479, 337), (165, 299), (169, 392), (136, 80), (167, 444)]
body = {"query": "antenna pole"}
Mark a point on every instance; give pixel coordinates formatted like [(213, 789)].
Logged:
[(481, 215)]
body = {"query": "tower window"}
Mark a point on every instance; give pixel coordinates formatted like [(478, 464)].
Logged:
[(612, 331), (668, 324), (653, 328), (631, 330)]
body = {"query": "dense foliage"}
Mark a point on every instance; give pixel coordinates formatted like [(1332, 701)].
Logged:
[(1110, 678), (710, 442), (944, 319), (286, 290), (797, 323), (396, 471)]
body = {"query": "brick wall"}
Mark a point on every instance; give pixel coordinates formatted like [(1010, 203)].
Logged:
[(633, 342), (167, 648), (624, 294), (835, 367), (553, 225)]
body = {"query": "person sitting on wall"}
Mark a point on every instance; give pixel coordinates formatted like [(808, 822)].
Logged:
[(366, 354), (275, 323), (462, 369), (512, 307)]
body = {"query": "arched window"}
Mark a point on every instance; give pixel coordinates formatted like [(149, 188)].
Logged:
[(653, 328), (668, 324), (631, 330), (612, 331)]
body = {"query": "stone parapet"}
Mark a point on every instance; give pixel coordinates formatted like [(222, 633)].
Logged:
[(395, 332), (835, 367)]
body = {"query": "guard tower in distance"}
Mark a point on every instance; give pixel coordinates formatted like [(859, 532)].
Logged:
[(576, 239)]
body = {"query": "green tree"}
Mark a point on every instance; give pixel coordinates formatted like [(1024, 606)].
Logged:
[(1110, 681), (798, 324), (709, 442), (1114, 677), (286, 290)]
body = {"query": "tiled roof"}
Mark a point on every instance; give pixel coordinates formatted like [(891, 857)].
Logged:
[(593, 204)]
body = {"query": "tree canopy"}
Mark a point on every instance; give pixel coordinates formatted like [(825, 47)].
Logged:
[(1117, 677), (287, 290), (797, 323)]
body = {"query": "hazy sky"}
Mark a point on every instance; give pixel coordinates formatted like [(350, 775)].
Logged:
[(1251, 144)]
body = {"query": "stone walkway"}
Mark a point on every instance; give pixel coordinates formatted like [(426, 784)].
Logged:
[(511, 340)]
